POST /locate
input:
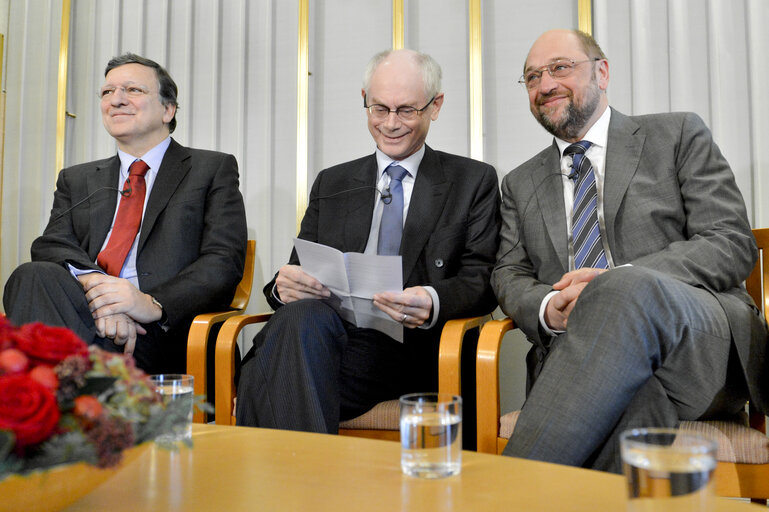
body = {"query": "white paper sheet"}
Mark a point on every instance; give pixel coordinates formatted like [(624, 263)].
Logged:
[(353, 279)]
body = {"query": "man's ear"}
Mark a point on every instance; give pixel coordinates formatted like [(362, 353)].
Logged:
[(437, 103)]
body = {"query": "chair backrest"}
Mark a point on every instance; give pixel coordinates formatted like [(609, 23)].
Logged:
[(755, 282), (243, 291)]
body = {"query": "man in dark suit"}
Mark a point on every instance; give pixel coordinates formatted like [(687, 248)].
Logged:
[(624, 266), (127, 267), (309, 368)]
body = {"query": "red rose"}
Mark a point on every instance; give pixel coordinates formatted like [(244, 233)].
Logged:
[(48, 345), (27, 408)]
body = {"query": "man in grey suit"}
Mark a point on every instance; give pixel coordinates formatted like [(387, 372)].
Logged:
[(309, 368), (133, 282), (623, 252)]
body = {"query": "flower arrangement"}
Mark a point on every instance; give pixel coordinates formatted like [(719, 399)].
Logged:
[(62, 401)]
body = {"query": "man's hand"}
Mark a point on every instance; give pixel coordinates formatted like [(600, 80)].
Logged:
[(570, 287), (294, 284), (121, 329), (109, 295), (411, 307)]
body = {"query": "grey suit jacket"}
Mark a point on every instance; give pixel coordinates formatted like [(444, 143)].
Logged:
[(450, 236), (670, 203), (192, 245)]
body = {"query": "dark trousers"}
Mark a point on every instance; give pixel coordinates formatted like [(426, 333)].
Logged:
[(47, 292), (309, 369)]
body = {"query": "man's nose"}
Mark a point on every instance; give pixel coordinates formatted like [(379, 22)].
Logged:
[(547, 83), (392, 121), (118, 97)]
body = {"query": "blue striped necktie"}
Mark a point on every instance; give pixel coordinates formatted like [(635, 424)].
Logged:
[(588, 248), (391, 228)]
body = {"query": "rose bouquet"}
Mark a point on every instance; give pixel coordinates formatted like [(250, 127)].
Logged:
[(62, 401)]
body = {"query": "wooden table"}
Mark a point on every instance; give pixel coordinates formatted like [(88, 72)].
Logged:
[(235, 469)]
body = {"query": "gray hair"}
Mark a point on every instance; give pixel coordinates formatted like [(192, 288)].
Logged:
[(167, 90), (431, 71)]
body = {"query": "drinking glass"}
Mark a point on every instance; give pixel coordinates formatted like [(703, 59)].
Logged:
[(664, 465), (431, 434), (175, 386)]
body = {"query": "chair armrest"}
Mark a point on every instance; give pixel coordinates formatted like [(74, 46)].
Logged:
[(450, 352), (224, 363), (487, 383), (756, 419), (197, 348)]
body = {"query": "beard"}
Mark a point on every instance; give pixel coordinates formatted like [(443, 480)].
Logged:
[(576, 115)]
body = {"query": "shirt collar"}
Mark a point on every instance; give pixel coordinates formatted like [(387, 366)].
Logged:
[(598, 134), (152, 158), (411, 163)]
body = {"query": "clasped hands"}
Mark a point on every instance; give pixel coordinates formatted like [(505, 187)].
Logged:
[(411, 307), (570, 286), (118, 308)]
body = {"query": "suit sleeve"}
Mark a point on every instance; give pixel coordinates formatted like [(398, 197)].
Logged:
[(716, 250), (515, 280), (208, 283), (61, 242), (468, 291)]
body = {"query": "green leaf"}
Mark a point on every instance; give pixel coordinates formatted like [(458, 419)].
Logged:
[(7, 440), (96, 385)]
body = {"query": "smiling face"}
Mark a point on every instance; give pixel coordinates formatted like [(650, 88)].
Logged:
[(397, 82), (138, 123), (569, 106)]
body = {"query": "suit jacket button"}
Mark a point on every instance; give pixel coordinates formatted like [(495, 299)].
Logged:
[(439, 263)]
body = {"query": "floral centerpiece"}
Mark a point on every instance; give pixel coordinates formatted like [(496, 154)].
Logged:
[(62, 401)]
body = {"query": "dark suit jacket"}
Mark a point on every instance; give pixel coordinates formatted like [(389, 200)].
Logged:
[(450, 236), (191, 249), (670, 204)]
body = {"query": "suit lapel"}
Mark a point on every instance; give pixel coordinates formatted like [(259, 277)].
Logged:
[(359, 213), (623, 153), (427, 203), (103, 204), (174, 167), (548, 188)]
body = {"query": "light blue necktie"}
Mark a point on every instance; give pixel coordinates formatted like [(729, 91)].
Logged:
[(588, 248), (391, 228)]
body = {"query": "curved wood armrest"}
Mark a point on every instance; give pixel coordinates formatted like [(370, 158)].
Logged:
[(197, 348), (487, 383), (450, 352), (224, 363)]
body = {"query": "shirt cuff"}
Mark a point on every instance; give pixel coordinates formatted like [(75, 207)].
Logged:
[(436, 308), (274, 293), (80, 271), (542, 308)]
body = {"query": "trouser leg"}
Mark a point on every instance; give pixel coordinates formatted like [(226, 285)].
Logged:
[(46, 292), (628, 324)]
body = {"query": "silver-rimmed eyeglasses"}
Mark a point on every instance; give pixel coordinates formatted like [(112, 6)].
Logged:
[(380, 112), (558, 69), (132, 91)]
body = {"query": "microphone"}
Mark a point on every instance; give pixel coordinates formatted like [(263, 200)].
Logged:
[(386, 196), (126, 192), (574, 174)]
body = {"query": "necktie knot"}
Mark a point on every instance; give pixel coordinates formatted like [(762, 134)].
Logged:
[(396, 172), (579, 163), (578, 148), (138, 168)]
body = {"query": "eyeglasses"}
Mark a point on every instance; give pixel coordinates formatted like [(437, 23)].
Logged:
[(380, 112), (558, 69), (132, 91)]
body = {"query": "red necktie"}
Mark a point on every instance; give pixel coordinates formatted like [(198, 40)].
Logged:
[(127, 221)]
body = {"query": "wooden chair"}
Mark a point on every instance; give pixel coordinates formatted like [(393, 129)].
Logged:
[(743, 452), (383, 421), (197, 340)]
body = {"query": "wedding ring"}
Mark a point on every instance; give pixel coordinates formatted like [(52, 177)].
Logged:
[(405, 316)]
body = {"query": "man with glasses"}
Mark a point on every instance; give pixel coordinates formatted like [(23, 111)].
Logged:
[(623, 251), (139, 243), (309, 369)]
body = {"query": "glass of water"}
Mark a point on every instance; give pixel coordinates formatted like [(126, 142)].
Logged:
[(176, 387), (431, 434), (663, 465)]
